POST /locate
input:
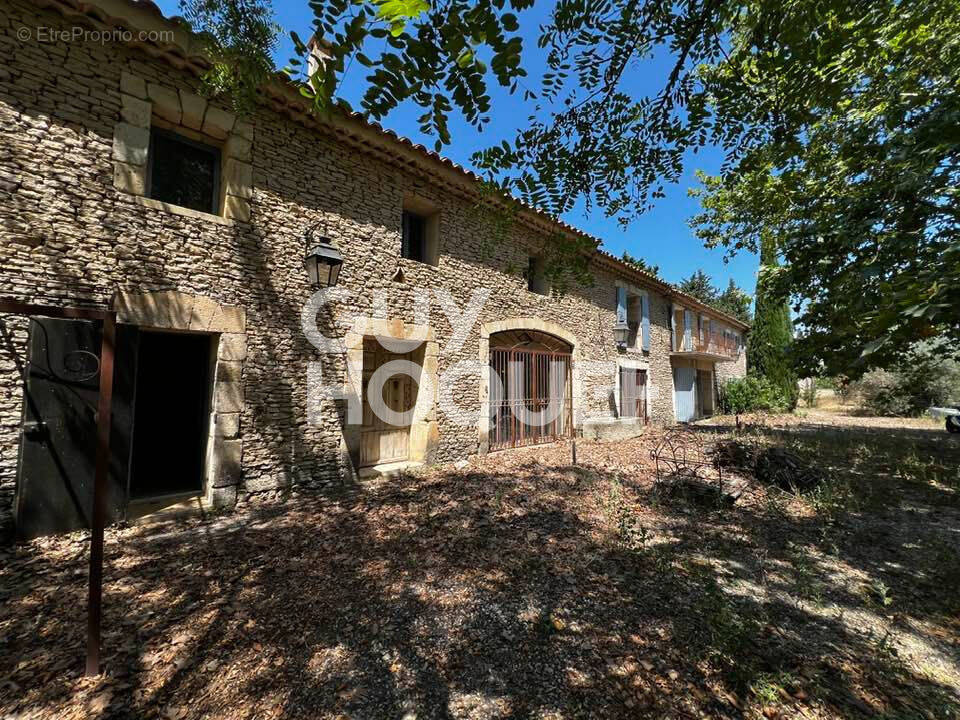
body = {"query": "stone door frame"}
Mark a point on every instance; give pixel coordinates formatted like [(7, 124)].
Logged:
[(171, 310), (424, 431), (522, 323)]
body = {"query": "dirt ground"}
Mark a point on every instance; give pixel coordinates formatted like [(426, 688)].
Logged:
[(832, 410), (521, 586)]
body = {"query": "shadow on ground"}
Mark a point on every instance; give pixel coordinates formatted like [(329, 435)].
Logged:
[(513, 589)]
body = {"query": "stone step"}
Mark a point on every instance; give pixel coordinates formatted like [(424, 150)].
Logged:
[(385, 470)]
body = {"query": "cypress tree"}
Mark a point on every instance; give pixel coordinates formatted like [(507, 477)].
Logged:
[(768, 349)]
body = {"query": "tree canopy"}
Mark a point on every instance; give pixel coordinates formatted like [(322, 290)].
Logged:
[(735, 301), (640, 264), (241, 36), (838, 119), (700, 285), (860, 189), (732, 300)]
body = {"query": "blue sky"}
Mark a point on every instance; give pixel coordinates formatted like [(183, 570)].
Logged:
[(661, 236)]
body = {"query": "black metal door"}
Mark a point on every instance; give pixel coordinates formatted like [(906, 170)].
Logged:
[(58, 438)]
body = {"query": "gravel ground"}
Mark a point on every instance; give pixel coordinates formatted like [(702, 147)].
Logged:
[(521, 586)]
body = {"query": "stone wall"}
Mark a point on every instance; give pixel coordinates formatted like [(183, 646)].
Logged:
[(76, 230)]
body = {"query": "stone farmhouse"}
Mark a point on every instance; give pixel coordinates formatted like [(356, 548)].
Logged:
[(263, 269)]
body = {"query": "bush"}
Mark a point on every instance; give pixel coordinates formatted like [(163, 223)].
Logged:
[(909, 391), (926, 376), (881, 393), (752, 393), (843, 387)]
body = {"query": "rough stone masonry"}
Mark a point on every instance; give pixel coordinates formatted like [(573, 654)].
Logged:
[(79, 229)]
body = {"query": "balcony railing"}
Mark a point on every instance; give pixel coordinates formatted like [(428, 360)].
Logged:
[(713, 343)]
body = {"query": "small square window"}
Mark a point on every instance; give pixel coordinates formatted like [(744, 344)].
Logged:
[(414, 237), (184, 172)]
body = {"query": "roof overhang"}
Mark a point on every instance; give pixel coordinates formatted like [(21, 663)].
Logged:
[(186, 51)]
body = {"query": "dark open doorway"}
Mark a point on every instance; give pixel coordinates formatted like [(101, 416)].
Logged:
[(171, 417)]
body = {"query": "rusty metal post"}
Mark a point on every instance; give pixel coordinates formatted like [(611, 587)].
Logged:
[(95, 589), (102, 467)]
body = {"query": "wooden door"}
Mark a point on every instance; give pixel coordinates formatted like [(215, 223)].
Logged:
[(705, 392), (633, 393), (380, 441)]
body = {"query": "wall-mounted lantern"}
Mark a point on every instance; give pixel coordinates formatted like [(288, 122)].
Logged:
[(323, 260), (620, 334), (621, 331)]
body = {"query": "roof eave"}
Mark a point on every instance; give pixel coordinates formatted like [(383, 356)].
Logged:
[(187, 51)]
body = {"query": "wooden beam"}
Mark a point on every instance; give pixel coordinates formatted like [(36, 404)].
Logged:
[(95, 587), (16, 307)]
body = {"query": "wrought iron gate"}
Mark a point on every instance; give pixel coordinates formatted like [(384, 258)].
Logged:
[(531, 397)]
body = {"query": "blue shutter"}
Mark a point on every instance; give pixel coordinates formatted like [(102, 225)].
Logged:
[(645, 321), (687, 330), (621, 306)]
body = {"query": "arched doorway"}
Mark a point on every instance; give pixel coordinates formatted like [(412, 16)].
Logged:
[(531, 388)]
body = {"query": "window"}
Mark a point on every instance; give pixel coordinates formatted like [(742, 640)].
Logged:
[(414, 245), (536, 276), (420, 230), (633, 393), (183, 172)]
